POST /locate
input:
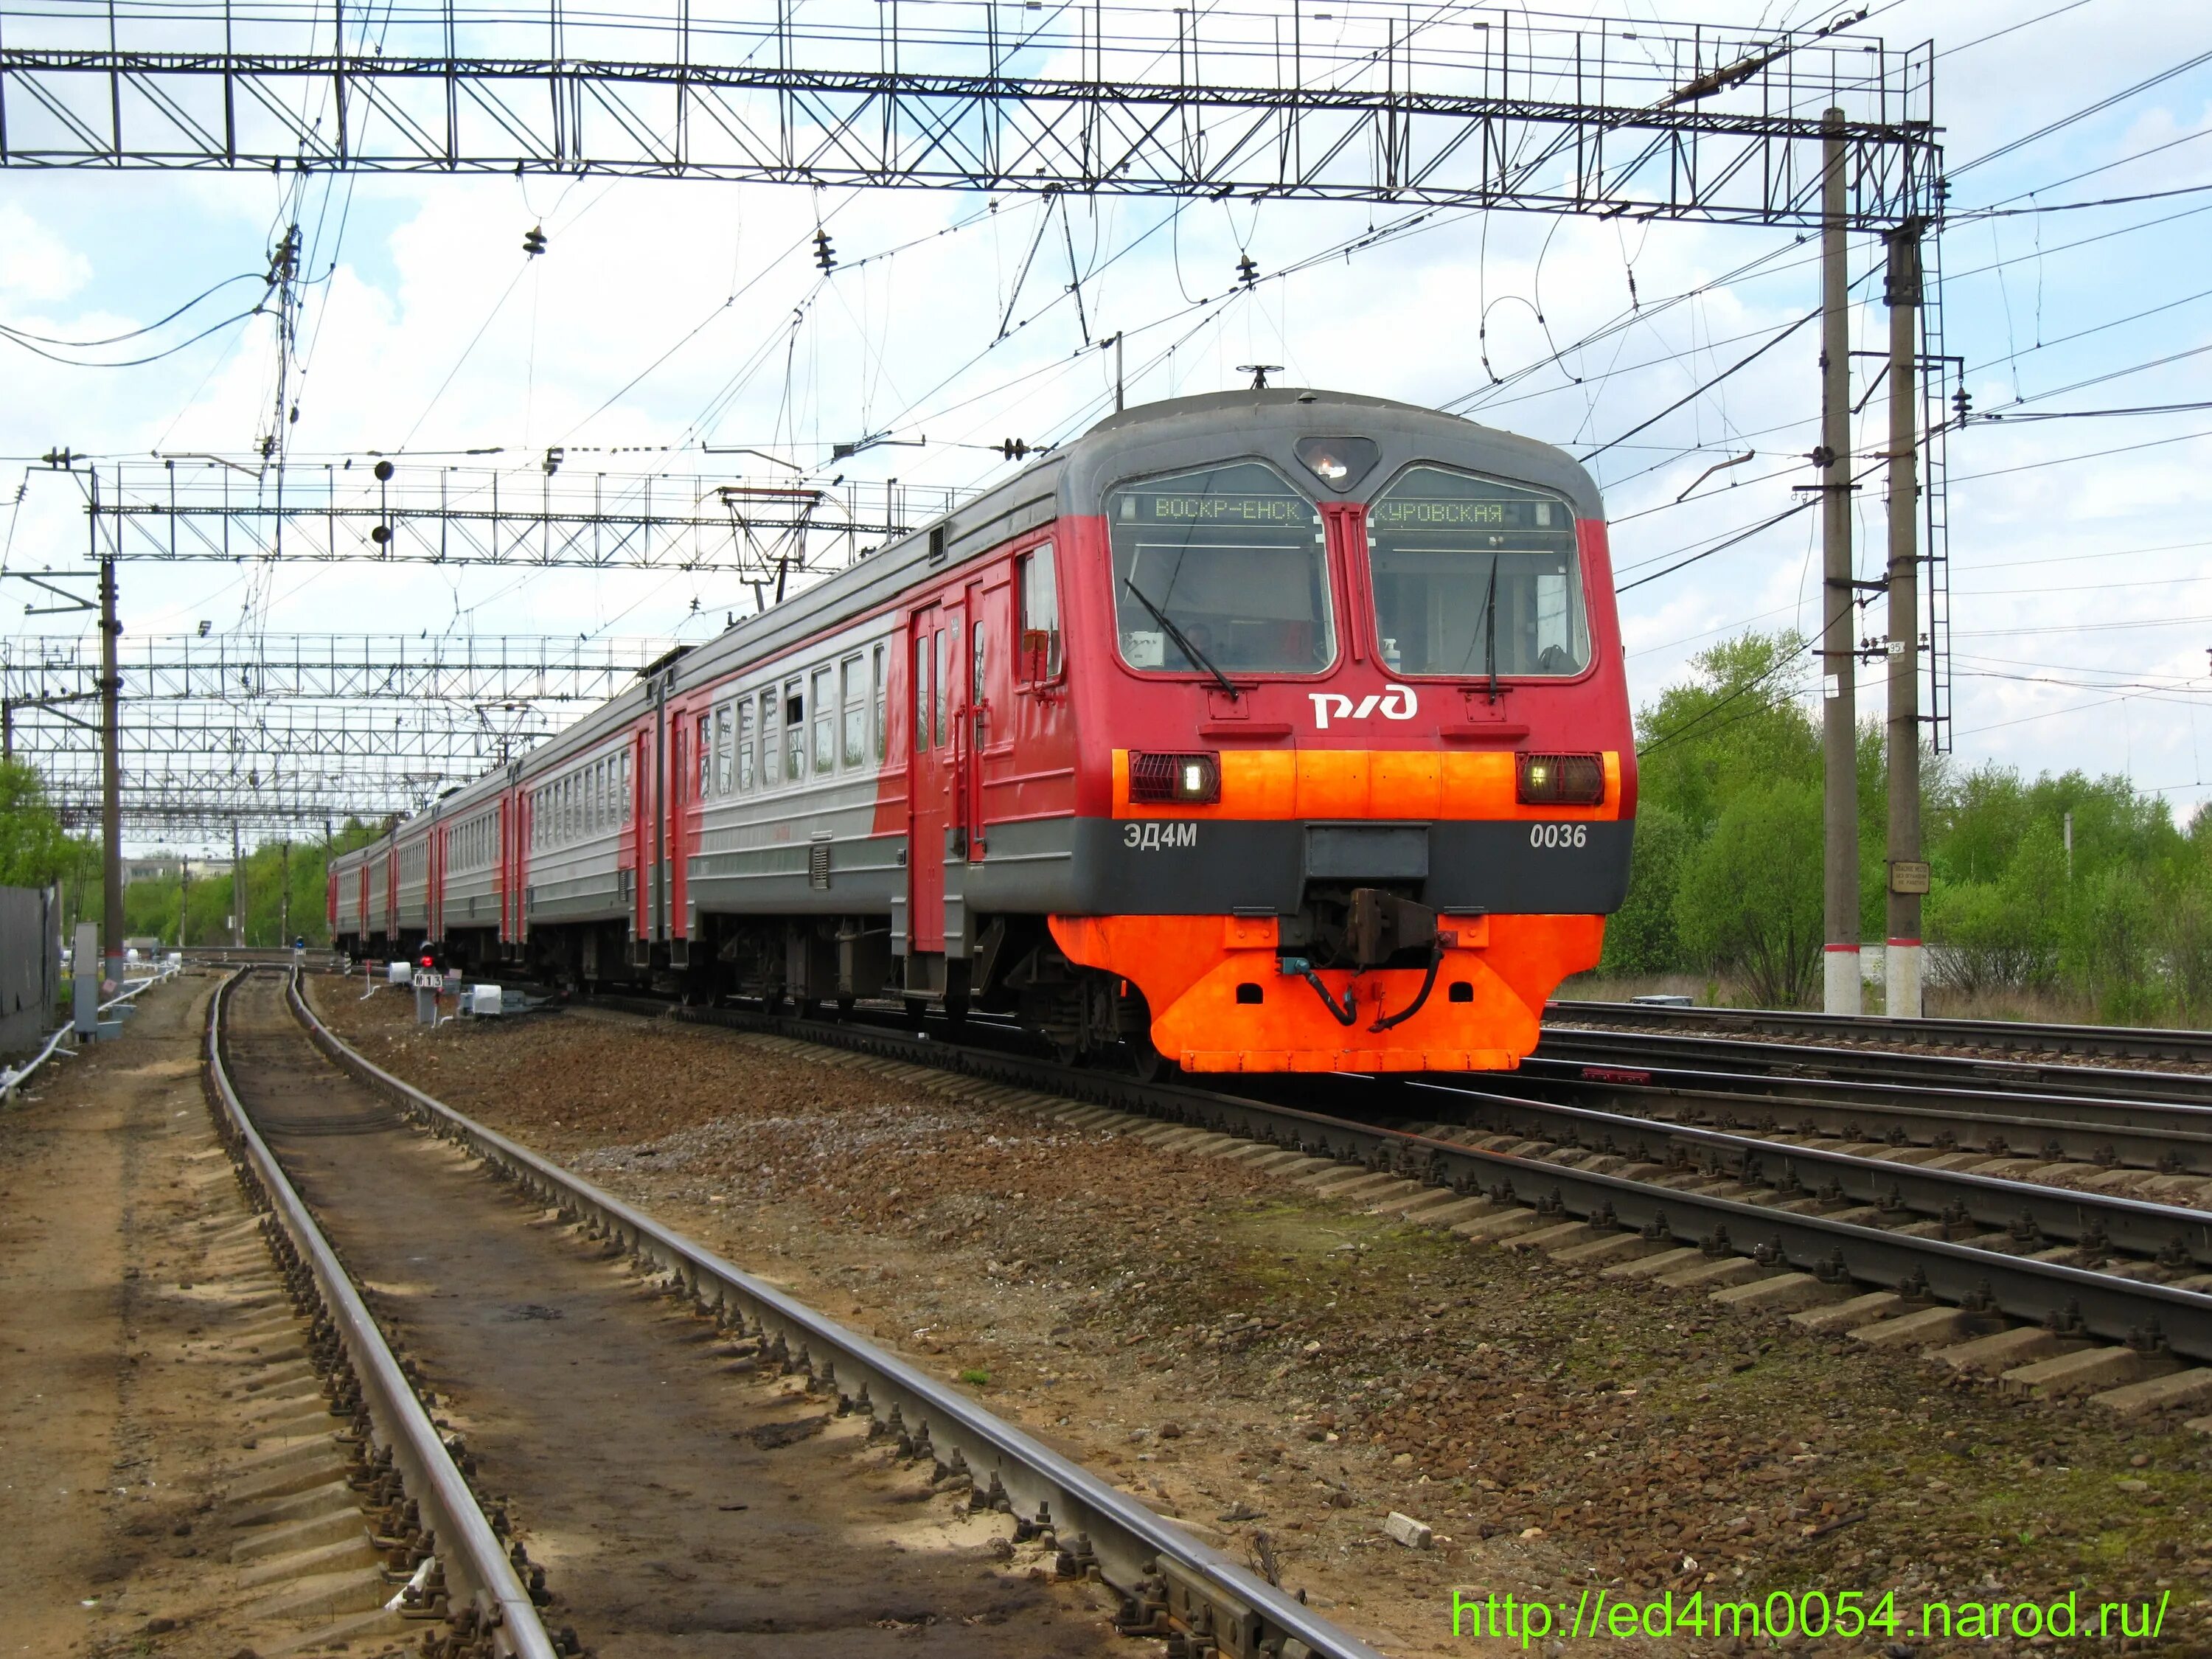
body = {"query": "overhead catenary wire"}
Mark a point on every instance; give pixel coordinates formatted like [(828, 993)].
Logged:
[(2083, 113)]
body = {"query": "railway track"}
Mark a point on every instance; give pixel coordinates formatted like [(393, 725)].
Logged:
[(2107, 1042), (2011, 1276), (1795, 1064), (714, 1458), (422, 1528), (2082, 1136)]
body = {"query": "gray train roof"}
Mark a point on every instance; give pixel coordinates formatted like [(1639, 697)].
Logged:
[(1187, 433)]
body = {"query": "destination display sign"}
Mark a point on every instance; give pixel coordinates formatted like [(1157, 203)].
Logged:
[(1432, 515), (1194, 507)]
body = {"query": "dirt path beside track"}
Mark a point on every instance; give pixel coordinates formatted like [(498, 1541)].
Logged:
[(135, 1309)]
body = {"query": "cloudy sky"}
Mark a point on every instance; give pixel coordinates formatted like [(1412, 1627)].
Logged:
[(665, 318)]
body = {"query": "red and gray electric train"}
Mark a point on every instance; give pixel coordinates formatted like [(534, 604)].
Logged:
[(1262, 731)]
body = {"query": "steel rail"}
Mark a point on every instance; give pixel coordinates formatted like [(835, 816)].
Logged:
[(2076, 1299), (478, 1575), (2027, 1210), (2149, 1134), (1749, 1060), (2122, 1042), (1160, 1570)]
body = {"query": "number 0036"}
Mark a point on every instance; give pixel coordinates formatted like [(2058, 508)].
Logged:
[(1558, 835)]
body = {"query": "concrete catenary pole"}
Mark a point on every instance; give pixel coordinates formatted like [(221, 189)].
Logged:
[(111, 779), (1840, 992), (237, 890), (1908, 874)]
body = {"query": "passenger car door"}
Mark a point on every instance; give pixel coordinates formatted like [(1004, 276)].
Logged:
[(929, 784)]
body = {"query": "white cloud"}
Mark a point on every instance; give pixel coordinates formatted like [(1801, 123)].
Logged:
[(35, 264)]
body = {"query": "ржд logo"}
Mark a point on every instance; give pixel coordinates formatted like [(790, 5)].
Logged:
[(1395, 702)]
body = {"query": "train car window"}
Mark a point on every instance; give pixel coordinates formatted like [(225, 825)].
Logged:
[(722, 749), (1474, 576), (825, 722), (1232, 557), (794, 730), (852, 701), (1040, 602), (975, 667), (771, 764), (948, 646), (881, 699), (624, 786), (745, 746), (921, 649)]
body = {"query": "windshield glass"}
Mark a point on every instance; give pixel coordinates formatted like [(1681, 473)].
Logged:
[(1232, 557), (1473, 576)]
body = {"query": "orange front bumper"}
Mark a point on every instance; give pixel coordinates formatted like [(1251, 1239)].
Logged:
[(1191, 970)]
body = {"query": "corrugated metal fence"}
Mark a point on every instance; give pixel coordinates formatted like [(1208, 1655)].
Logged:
[(30, 966)]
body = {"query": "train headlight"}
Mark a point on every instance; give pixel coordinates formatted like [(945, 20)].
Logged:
[(1562, 779), (1174, 779)]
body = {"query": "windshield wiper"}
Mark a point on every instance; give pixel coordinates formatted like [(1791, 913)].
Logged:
[(1490, 630), (1197, 658)]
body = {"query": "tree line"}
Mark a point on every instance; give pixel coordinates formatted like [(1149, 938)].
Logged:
[(285, 881), (1726, 881)]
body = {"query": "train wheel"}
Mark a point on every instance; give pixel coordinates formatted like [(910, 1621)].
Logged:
[(916, 1014), (845, 1005), (1147, 1062)]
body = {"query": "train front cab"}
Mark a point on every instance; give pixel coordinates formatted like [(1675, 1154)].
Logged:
[(1358, 781)]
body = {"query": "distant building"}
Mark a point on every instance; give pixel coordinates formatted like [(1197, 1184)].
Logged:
[(166, 866)]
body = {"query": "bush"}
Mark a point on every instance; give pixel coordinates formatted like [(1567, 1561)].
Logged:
[(1749, 900), (1641, 937)]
